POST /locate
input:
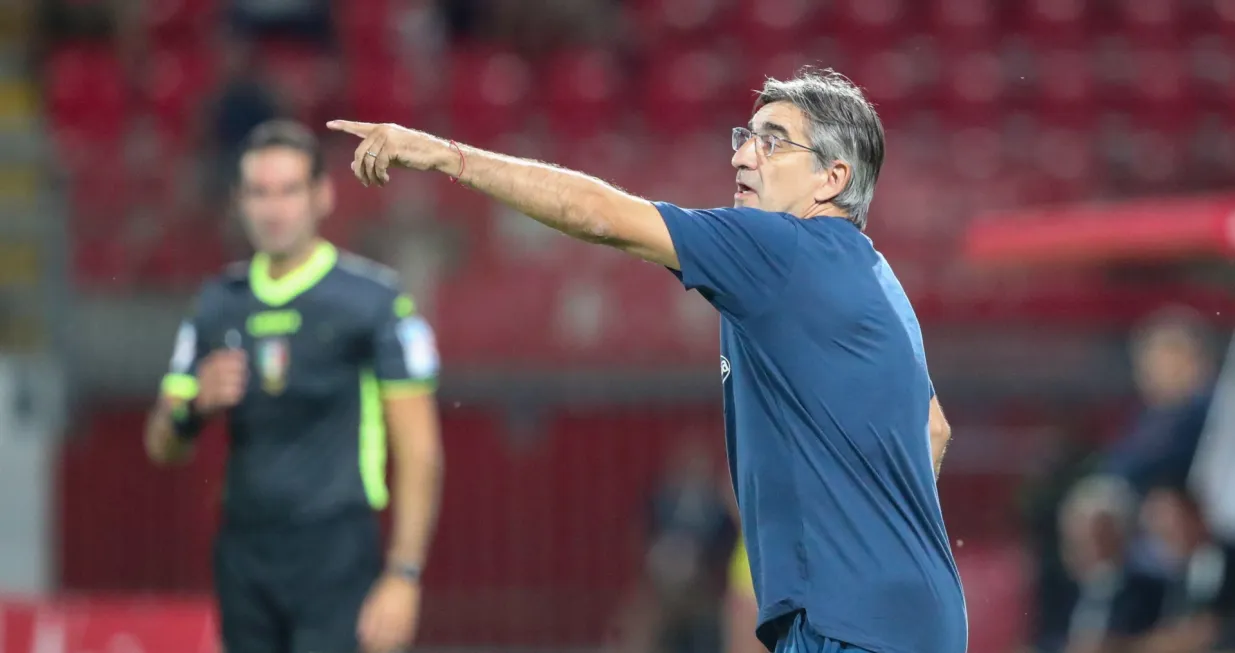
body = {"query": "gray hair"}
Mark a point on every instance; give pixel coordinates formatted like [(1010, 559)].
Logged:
[(843, 127)]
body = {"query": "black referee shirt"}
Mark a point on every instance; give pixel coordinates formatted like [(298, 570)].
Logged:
[(324, 342)]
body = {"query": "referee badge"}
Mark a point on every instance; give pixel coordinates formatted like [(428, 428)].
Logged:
[(273, 358)]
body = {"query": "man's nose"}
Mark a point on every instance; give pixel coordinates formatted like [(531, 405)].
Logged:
[(745, 157)]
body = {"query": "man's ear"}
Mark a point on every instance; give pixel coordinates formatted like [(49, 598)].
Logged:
[(325, 195), (833, 181)]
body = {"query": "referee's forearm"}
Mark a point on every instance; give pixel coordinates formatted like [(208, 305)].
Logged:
[(419, 469), (571, 202), (418, 491)]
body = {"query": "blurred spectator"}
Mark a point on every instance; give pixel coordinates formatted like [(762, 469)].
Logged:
[(308, 20), (244, 102), (534, 27), (105, 21), (1199, 612), (1056, 593), (62, 20), (690, 540), (1173, 363), (1117, 601), (1173, 366)]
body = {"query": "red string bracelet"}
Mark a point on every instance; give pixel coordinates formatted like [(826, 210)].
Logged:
[(462, 162)]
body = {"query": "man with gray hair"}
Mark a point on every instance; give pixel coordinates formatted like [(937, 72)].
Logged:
[(833, 430)]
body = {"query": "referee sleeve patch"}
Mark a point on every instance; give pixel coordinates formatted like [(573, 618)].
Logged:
[(185, 350), (419, 347)]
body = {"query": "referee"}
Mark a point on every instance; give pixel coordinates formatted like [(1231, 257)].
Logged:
[(319, 364), (833, 429)]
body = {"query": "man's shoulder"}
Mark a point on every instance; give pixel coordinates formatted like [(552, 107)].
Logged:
[(725, 211), (233, 278), (365, 274), (369, 285)]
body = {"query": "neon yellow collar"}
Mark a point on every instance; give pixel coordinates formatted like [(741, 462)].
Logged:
[(277, 292)]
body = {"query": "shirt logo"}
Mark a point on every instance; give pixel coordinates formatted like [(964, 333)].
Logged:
[(185, 350), (273, 359), (419, 347), (724, 369)]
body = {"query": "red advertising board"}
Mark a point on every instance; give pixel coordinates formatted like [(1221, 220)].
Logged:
[(107, 626)]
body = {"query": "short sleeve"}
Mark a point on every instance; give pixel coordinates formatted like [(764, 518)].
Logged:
[(190, 348), (404, 349), (739, 259)]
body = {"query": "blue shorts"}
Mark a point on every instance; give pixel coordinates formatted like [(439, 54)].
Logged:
[(800, 638)]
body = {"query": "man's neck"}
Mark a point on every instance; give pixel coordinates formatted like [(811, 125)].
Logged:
[(281, 264), (825, 209)]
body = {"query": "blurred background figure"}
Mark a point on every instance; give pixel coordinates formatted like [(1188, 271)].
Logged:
[(680, 605), (1173, 361), (1116, 601), (1059, 176), (1199, 608)]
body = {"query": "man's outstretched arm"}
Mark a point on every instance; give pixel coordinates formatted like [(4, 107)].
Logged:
[(571, 202)]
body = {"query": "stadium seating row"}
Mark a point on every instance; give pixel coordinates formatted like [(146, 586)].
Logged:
[(771, 21), (90, 96)]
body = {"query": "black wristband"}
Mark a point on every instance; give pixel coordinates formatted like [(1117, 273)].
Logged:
[(186, 421), (406, 571)]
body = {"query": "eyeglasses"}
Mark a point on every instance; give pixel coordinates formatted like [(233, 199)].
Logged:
[(765, 142)]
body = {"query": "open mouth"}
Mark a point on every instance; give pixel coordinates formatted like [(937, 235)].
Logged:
[(744, 190)]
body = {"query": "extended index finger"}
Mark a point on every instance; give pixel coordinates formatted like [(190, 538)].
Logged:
[(361, 129)]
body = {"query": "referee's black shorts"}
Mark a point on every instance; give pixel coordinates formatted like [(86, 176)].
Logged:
[(296, 589)]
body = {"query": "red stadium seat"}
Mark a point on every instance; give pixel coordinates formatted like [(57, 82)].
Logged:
[(1161, 150), (1065, 88), (507, 315), (872, 23), (381, 90), (103, 261), (1068, 157), (687, 23), (972, 86), (489, 92), (1212, 151), (891, 78), (682, 90), (366, 28), (652, 319), (177, 21), (765, 26), (86, 95), (964, 23), (1151, 23), (177, 85), (1212, 71), (1055, 22), (1218, 16), (188, 252), (613, 156), (301, 74), (1162, 84), (581, 92)]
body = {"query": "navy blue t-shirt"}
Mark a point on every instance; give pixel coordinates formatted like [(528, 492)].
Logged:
[(827, 400)]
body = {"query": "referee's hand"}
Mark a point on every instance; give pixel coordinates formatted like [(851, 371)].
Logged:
[(222, 377)]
